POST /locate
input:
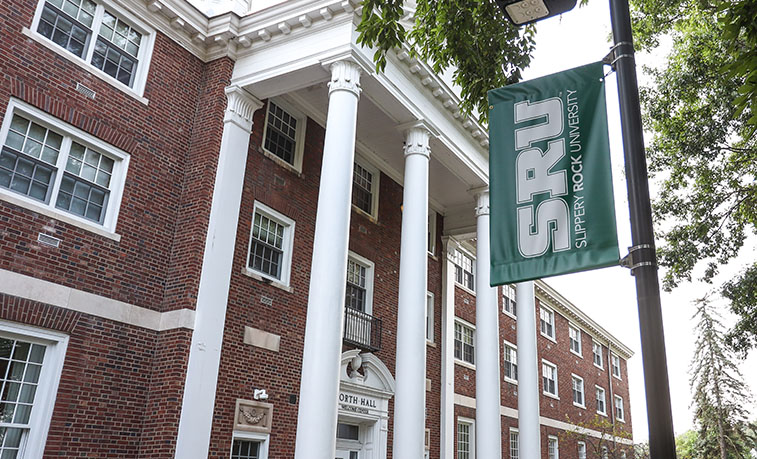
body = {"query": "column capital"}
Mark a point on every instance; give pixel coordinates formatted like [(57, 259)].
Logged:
[(345, 76), (450, 246), (417, 136), (482, 200), (240, 107)]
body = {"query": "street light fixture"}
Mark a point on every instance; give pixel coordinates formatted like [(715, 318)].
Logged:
[(641, 258), (522, 12)]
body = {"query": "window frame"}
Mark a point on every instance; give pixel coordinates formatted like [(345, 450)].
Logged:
[(299, 135), (262, 438), (517, 441), (286, 246), (375, 177), (431, 231), (507, 300), (580, 444), (465, 254), (604, 399), (553, 320), (572, 328), (430, 317), (460, 360), (574, 378), (595, 343), (550, 439), (33, 443), (622, 417), (556, 395), (369, 272), (514, 348), (144, 55), (613, 358), (70, 134), (471, 423)]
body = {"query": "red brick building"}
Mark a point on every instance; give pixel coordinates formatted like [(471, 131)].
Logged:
[(189, 198)]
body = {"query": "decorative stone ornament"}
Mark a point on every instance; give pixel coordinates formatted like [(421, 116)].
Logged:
[(345, 76), (252, 416)]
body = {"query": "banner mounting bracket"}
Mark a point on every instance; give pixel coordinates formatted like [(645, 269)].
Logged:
[(638, 256)]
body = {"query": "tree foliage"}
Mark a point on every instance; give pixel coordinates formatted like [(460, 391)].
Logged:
[(720, 397), (686, 445), (611, 443), (701, 110), (470, 37)]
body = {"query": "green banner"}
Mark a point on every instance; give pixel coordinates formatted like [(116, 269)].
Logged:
[(550, 179)]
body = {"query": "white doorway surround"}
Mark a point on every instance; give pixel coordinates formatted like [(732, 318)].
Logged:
[(365, 387)]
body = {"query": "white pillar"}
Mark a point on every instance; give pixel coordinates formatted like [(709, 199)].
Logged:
[(410, 375), (205, 352), (319, 385), (488, 421), (528, 372), (448, 350)]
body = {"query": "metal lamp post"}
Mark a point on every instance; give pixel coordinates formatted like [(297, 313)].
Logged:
[(641, 258)]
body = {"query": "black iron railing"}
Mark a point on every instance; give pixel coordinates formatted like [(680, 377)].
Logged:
[(362, 330)]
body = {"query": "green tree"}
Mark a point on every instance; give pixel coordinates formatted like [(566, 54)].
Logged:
[(720, 397), (686, 445), (471, 37), (603, 439), (700, 109)]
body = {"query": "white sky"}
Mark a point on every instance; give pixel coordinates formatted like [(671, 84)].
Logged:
[(609, 295)]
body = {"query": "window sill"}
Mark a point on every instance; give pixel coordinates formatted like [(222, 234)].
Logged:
[(85, 65), (547, 394), (548, 337), (620, 420), (511, 381), (601, 368), (290, 167), (365, 214), (576, 353), (583, 407), (464, 288), (509, 314), (465, 364), (617, 377), (602, 414), (8, 196), (250, 273), (430, 343)]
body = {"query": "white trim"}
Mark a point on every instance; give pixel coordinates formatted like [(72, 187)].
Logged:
[(468, 254), (554, 323), (601, 354), (579, 444), (622, 408), (263, 438), (512, 413), (287, 244), (299, 134), (34, 289), (580, 344), (375, 177), (56, 344), (556, 395), (604, 393), (612, 367), (144, 54), (583, 390), (506, 297), (507, 344), (430, 296), (471, 434), (462, 362), (557, 446), (432, 216), (118, 176), (369, 273)]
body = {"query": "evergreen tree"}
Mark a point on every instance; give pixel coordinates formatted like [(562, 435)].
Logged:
[(720, 398)]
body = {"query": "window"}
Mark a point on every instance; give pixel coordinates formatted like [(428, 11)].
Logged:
[(359, 295), (547, 322), (615, 365), (619, 413), (365, 188), (604, 452), (431, 232), (464, 270), (581, 450), (553, 451), (578, 391), (514, 444), (114, 44), (464, 343), (429, 317), (575, 339), (271, 238), (283, 135), (249, 445), (623, 454), (601, 404), (597, 351), (347, 431), (465, 436), (549, 378), (511, 362), (49, 165), (31, 361), (508, 304)]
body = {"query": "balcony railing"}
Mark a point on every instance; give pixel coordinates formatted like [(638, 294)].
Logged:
[(362, 330)]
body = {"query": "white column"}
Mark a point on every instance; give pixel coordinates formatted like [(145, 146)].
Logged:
[(319, 385), (213, 293), (488, 421), (528, 372), (410, 375), (448, 351)]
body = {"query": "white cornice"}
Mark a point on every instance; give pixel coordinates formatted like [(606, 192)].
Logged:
[(554, 299)]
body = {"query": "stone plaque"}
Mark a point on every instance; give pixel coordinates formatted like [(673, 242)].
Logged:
[(252, 416)]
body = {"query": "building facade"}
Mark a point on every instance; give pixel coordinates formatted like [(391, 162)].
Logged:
[(223, 234)]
